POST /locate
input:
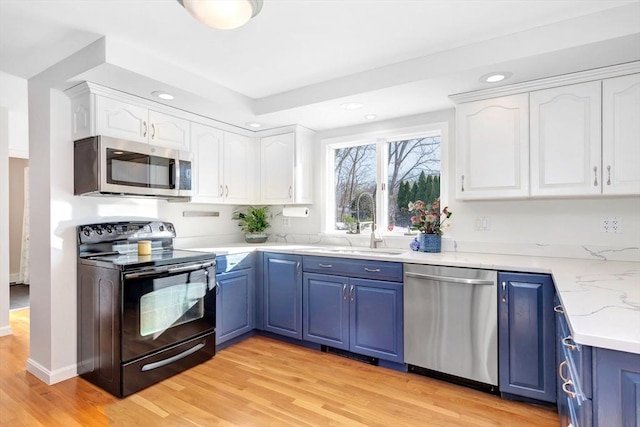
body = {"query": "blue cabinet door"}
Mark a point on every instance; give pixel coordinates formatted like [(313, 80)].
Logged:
[(234, 304), (526, 336), (616, 388), (376, 319), (282, 281), (326, 310)]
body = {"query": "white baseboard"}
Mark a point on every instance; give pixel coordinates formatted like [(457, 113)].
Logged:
[(6, 330), (51, 377)]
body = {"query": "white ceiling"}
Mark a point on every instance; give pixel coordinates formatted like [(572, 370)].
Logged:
[(298, 60)]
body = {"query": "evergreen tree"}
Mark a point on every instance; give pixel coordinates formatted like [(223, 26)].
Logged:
[(423, 188)]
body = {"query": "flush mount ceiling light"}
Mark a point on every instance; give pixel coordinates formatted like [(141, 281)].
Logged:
[(222, 14), (162, 95), (351, 105), (495, 77), (254, 125), (370, 117)]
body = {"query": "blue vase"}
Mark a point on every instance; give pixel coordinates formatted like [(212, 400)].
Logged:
[(430, 242)]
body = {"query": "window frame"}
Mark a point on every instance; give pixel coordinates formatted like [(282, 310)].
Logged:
[(381, 140)]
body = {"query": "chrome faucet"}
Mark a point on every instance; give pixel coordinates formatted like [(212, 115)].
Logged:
[(375, 239)]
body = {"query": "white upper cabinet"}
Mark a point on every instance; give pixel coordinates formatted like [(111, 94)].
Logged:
[(168, 131), (224, 163), (206, 148), (492, 156), (238, 166), (101, 111), (120, 120), (286, 168), (565, 140), (621, 135)]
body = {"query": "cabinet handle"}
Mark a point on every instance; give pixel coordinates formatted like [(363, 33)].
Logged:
[(298, 267), (325, 265), (560, 366), (217, 291), (351, 293), (462, 185), (608, 174), (153, 130), (595, 176), (344, 291), (226, 191), (569, 343), (372, 270), (565, 388), (558, 309), (504, 292), (144, 133), (290, 191), (221, 191)]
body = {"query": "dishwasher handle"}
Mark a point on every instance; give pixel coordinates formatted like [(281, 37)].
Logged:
[(450, 279)]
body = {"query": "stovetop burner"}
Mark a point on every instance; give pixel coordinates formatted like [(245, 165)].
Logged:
[(114, 245)]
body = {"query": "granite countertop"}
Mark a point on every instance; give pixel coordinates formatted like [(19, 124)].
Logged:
[(601, 299)]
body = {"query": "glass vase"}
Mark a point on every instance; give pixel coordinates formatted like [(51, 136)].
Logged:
[(430, 242)]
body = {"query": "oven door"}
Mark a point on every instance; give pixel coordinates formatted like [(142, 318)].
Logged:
[(164, 306)]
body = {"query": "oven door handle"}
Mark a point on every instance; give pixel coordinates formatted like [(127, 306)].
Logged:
[(159, 271)]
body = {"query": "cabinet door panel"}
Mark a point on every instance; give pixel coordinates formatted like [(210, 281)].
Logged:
[(168, 131), (206, 145), (283, 295), (376, 319), (526, 336), (276, 165), (620, 135), (616, 389), (121, 120), (238, 167), (565, 140), (492, 148), (326, 310), (235, 304)]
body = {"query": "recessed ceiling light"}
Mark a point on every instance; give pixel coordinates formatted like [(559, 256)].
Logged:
[(495, 77), (163, 95), (370, 117), (351, 105), (254, 125)]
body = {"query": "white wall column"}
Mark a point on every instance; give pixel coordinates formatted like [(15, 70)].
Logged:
[(5, 327)]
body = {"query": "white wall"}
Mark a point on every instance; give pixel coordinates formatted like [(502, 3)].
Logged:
[(13, 97), (5, 327)]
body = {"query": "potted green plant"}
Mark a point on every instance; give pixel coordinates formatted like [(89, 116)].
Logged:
[(254, 223)]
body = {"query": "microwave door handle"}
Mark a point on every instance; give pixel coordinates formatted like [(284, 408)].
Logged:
[(172, 174)]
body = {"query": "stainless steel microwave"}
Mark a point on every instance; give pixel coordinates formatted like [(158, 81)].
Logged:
[(110, 166)]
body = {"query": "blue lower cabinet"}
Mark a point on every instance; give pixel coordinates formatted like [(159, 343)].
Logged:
[(526, 333), (616, 388), (234, 304), (358, 315), (282, 294)]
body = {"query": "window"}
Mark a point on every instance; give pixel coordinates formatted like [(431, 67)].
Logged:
[(407, 166)]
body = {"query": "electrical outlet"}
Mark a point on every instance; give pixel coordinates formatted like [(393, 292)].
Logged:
[(482, 224), (286, 222), (611, 224)]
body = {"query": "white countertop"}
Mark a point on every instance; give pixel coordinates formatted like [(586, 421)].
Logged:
[(601, 299)]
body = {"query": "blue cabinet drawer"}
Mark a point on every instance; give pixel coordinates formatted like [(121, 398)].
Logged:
[(233, 262), (364, 269)]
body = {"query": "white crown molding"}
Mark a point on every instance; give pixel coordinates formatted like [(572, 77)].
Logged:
[(562, 80)]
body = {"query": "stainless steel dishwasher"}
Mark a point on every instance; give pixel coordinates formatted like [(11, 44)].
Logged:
[(451, 323)]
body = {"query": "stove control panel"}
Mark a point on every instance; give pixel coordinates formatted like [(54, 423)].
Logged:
[(130, 230)]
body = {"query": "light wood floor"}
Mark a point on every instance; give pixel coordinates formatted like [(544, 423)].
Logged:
[(259, 382)]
